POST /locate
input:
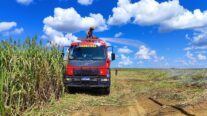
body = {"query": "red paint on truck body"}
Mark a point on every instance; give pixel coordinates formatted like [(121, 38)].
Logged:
[(103, 69)]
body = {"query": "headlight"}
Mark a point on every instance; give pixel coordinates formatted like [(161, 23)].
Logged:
[(68, 79)]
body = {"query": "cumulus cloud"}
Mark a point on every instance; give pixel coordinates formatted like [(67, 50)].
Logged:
[(187, 48), (5, 26), (16, 31), (199, 39), (58, 38), (187, 20), (68, 20), (149, 12), (24, 2), (85, 2), (124, 50), (193, 57), (124, 61), (201, 57), (144, 12), (145, 53), (119, 34), (190, 55), (9, 28), (59, 28), (120, 14), (170, 15)]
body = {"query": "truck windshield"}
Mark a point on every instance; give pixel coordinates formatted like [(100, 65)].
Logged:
[(87, 53)]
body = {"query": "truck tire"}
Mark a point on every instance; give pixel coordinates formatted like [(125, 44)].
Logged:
[(71, 90), (106, 91)]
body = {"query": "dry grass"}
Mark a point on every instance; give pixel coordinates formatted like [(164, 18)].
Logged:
[(128, 85)]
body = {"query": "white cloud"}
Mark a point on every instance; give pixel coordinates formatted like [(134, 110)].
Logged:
[(58, 38), (59, 28), (199, 40), (124, 61), (194, 57), (169, 15), (8, 28), (188, 20), (144, 12), (201, 57), (149, 12), (121, 15), (16, 31), (119, 34), (145, 53), (24, 2), (187, 48), (158, 59), (85, 2), (124, 50), (68, 20), (190, 55), (5, 26)]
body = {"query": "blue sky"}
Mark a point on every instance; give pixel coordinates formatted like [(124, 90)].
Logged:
[(145, 33)]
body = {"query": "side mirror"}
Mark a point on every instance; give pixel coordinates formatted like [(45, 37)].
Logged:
[(113, 56), (63, 51), (63, 54)]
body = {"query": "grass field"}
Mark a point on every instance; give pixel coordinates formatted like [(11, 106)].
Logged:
[(138, 92)]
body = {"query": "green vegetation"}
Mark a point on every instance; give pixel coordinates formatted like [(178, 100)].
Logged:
[(30, 75), (31, 83)]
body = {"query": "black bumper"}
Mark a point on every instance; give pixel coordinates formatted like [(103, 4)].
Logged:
[(94, 81)]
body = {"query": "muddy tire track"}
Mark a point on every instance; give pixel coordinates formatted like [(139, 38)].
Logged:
[(172, 106), (136, 110)]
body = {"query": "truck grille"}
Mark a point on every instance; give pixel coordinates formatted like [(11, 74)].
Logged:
[(86, 72)]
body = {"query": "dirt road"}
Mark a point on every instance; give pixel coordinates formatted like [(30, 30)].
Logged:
[(138, 93), (145, 107)]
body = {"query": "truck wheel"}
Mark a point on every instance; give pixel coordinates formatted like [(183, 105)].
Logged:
[(106, 90), (71, 90)]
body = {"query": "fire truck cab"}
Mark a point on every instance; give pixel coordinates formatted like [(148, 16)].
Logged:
[(88, 65)]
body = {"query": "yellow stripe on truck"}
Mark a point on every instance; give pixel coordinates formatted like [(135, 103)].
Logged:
[(88, 46)]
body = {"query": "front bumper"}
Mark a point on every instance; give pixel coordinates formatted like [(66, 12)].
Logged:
[(92, 81)]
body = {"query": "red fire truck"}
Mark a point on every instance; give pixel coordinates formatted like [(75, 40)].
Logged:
[(88, 65)]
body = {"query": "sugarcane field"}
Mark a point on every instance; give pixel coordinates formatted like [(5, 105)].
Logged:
[(103, 58)]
